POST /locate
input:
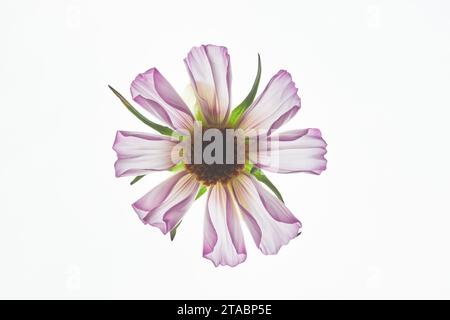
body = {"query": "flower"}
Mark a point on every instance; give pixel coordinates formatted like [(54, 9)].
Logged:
[(235, 191)]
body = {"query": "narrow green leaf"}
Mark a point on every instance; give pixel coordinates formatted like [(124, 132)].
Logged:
[(239, 110), (263, 178), (201, 192), (161, 129), (173, 232), (136, 179)]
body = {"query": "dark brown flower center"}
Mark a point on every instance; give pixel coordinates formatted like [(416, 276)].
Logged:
[(227, 162)]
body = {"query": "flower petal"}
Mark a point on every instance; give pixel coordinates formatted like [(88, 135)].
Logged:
[(155, 94), (223, 242), (210, 72), (276, 105), (165, 205), (271, 224), (140, 153), (294, 151)]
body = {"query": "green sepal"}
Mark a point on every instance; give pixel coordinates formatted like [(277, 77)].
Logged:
[(173, 232), (198, 115), (161, 129), (178, 167), (201, 191), (136, 179), (248, 167), (260, 176), (237, 112)]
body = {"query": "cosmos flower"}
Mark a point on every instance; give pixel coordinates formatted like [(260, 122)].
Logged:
[(236, 191)]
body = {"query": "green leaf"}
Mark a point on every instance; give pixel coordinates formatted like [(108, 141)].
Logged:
[(201, 192), (136, 179), (173, 232), (263, 178), (237, 112), (161, 129)]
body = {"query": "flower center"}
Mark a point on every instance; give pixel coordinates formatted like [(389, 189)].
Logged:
[(218, 157)]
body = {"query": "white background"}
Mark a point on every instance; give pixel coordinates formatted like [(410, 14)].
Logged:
[(373, 76)]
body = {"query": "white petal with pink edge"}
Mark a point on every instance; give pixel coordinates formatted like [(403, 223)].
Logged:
[(293, 151), (140, 153), (271, 224), (276, 105), (165, 205), (223, 242), (156, 95), (210, 72)]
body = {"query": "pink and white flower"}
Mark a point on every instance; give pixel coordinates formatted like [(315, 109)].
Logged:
[(235, 192)]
